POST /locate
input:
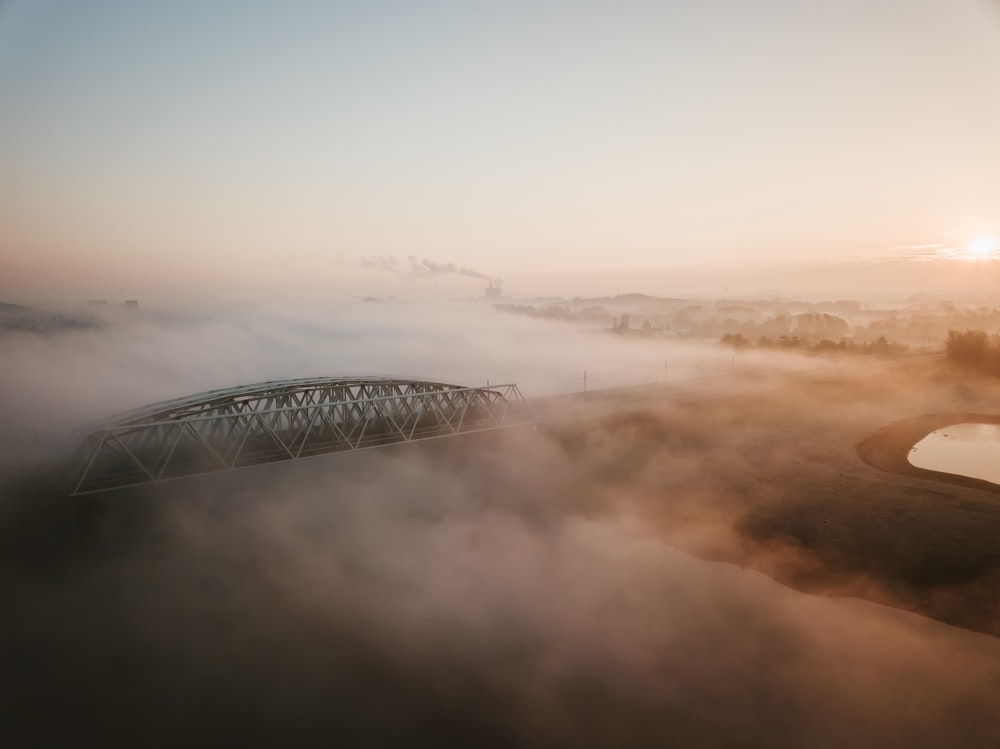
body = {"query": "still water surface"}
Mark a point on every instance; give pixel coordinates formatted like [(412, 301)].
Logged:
[(963, 449)]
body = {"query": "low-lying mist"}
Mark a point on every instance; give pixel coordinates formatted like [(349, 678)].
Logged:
[(497, 590), (53, 382), (479, 597)]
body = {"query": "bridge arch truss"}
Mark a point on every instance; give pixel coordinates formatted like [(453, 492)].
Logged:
[(270, 422)]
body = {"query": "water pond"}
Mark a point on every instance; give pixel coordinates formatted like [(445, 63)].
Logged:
[(962, 449)]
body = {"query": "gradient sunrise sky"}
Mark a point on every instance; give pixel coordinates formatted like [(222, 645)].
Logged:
[(158, 145)]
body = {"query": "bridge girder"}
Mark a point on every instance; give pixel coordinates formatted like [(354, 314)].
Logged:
[(225, 430)]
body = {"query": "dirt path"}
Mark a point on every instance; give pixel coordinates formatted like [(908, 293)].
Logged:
[(889, 448)]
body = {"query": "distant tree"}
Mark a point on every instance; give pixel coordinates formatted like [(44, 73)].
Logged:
[(970, 348), (736, 340)]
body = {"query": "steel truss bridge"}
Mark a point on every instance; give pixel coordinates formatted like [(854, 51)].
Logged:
[(269, 422)]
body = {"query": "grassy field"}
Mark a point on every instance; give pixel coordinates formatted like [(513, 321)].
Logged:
[(806, 480)]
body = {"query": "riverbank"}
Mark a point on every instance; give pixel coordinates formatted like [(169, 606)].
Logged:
[(889, 448)]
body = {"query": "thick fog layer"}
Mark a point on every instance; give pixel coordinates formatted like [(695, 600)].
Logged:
[(488, 591), (68, 376)]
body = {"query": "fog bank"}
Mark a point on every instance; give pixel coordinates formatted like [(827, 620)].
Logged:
[(499, 590)]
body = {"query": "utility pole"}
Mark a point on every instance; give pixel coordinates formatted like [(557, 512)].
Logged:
[(585, 380)]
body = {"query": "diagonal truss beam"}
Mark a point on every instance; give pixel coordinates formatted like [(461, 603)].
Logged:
[(284, 421)]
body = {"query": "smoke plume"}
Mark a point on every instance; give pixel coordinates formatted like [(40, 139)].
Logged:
[(423, 268)]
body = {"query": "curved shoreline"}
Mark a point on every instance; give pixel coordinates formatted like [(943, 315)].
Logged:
[(889, 448)]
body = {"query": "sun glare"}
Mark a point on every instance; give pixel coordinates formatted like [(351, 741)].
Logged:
[(981, 247)]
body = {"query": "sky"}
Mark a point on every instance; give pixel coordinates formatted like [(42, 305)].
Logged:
[(150, 147), (321, 148)]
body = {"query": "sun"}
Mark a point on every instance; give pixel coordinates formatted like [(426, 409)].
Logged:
[(981, 247)]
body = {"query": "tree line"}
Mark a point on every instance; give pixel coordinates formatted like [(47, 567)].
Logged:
[(975, 350), (880, 346)]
